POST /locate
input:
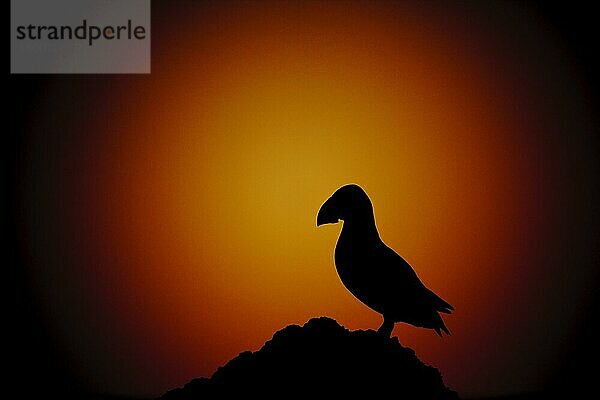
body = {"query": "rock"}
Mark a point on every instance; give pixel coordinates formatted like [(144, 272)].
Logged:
[(320, 358)]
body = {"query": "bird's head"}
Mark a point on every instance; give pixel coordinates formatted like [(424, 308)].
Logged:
[(350, 202)]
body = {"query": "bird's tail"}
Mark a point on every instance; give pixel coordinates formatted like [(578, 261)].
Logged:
[(441, 327)]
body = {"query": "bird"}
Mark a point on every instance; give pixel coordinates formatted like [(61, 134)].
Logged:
[(373, 272)]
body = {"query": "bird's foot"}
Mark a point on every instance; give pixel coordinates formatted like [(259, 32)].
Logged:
[(386, 328)]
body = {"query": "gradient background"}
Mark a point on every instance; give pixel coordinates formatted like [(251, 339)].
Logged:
[(164, 223)]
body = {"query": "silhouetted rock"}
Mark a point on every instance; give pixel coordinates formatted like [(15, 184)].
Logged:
[(322, 357)]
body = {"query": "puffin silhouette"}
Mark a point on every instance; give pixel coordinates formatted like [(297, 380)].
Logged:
[(375, 274)]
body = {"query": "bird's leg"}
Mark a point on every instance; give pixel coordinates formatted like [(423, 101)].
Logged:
[(386, 328)]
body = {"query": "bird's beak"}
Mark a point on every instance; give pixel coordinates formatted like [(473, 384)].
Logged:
[(327, 214)]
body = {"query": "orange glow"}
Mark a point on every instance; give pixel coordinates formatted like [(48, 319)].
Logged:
[(204, 206)]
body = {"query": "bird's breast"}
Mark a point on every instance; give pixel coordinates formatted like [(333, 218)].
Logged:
[(351, 262)]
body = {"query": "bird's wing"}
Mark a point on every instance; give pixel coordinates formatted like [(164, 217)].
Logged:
[(397, 276), (394, 271)]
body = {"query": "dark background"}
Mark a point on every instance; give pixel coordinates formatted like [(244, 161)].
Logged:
[(35, 366)]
